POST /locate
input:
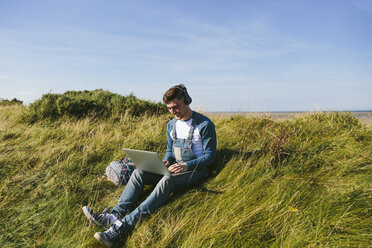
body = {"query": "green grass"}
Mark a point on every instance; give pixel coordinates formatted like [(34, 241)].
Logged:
[(298, 183), (97, 104)]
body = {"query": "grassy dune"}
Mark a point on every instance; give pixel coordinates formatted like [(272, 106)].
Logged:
[(297, 183)]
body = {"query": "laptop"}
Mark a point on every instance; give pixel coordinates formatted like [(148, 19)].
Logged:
[(150, 162)]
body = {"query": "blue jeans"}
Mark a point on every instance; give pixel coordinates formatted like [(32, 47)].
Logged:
[(165, 185)]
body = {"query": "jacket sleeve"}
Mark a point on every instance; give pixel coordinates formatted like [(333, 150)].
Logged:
[(168, 155), (209, 141)]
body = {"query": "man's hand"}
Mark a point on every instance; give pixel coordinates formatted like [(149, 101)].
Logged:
[(177, 168), (166, 162)]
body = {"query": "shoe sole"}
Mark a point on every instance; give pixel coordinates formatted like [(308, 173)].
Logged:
[(103, 241), (91, 219)]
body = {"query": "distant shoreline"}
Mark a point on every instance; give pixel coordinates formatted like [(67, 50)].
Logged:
[(356, 113), (365, 116), (290, 111), (295, 112), (286, 114)]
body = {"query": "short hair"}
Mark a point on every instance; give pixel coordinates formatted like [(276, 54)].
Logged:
[(176, 92)]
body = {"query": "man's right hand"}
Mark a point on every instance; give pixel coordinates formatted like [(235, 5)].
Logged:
[(166, 162)]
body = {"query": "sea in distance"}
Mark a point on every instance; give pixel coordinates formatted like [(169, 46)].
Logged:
[(365, 116)]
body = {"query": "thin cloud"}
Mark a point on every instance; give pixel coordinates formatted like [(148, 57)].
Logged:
[(4, 77)]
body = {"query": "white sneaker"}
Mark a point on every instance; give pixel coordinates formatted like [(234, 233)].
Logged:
[(111, 236)]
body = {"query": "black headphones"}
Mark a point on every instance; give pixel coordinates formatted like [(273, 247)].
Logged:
[(187, 99)]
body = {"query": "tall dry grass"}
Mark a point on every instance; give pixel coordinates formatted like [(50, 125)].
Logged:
[(298, 183)]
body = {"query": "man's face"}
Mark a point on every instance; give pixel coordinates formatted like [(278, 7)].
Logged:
[(177, 107)]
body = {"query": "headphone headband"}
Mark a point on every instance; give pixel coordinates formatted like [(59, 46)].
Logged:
[(187, 99)]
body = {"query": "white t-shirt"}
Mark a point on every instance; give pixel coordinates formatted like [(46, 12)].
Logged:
[(182, 132)]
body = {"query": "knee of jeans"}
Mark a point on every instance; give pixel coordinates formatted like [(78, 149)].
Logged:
[(136, 175), (138, 172)]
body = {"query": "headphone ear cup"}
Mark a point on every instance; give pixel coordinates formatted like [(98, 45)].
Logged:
[(187, 99)]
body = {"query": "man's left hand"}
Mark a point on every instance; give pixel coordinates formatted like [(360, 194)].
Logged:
[(177, 168)]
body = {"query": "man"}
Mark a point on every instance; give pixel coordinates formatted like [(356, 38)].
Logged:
[(191, 146)]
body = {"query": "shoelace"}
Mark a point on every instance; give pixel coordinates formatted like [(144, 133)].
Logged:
[(101, 217)]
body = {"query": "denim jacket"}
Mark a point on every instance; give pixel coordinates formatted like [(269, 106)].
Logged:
[(209, 142)]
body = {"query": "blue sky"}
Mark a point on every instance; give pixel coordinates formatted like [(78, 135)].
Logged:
[(278, 55)]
